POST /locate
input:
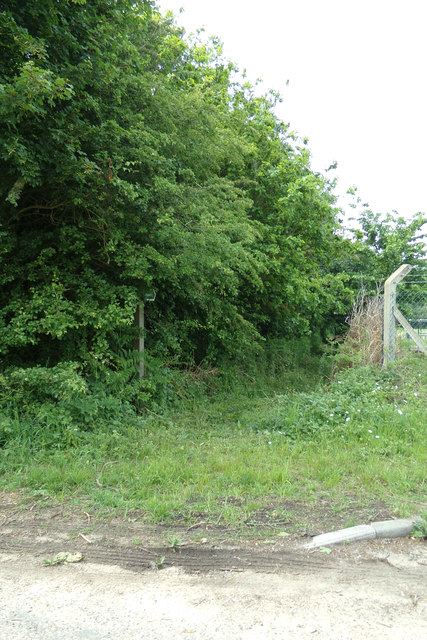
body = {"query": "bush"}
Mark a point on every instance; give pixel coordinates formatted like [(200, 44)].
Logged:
[(55, 407)]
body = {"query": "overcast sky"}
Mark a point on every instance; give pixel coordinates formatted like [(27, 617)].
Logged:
[(357, 82)]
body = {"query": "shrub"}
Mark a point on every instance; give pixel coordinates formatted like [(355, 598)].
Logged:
[(56, 407)]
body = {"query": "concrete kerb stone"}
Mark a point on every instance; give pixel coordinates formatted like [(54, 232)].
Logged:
[(394, 528), (383, 529)]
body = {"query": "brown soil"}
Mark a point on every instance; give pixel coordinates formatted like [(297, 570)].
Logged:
[(204, 579), (269, 541)]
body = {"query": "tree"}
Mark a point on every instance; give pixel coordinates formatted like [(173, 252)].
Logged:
[(294, 211), (379, 245), (110, 171), (133, 160)]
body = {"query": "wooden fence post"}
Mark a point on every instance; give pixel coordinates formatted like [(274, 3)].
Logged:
[(140, 323), (141, 340)]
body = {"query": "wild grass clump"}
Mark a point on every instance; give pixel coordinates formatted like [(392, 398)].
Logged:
[(363, 343)]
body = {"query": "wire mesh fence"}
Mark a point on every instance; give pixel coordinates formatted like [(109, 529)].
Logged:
[(386, 326), (411, 301)]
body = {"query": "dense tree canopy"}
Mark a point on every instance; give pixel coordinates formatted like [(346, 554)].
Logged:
[(132, 160)]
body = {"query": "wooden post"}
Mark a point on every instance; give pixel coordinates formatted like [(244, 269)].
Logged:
[(389, 324), (141, 341), (140, 323)]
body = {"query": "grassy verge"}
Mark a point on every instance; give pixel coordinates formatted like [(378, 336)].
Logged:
[(224, 456)]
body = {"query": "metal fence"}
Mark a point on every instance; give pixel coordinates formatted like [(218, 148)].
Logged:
[(405, 312), (411, 300)]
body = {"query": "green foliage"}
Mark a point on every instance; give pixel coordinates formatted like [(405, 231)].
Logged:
[(380, 245), (357, 398), (213, 457), (133, 160), (420, 528), (55, 408), (293, 209)]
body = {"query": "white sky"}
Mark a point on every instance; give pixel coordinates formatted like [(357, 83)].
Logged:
[(357, 82)]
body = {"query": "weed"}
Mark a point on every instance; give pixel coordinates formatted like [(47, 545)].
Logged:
[(174, 542), (363, 344), (420, 528), (51, 562), (351, 522)]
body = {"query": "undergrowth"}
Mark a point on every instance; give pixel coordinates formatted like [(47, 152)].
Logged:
[(275, 429)]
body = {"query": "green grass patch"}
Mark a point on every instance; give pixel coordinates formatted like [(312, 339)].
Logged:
[(222, 455)]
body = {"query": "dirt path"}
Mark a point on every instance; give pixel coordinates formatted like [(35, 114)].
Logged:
[(201, 584)]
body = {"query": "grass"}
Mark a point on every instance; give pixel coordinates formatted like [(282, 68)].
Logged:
[(222, 456)]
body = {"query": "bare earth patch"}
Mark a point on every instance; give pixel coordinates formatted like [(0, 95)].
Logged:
[(205, 580)]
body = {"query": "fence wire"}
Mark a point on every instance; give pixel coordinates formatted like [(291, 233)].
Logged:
[(412, 302)]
